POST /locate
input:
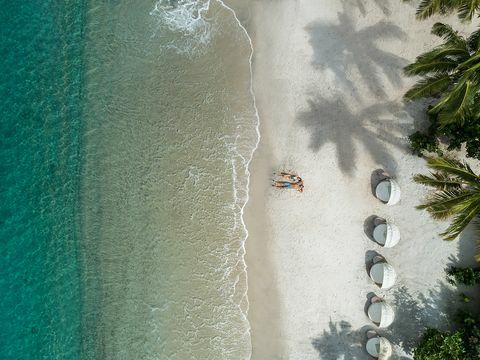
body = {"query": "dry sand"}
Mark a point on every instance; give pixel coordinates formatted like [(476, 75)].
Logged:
[(329, 86)]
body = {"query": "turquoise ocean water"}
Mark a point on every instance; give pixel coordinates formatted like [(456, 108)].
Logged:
[(126, 133), (40, 86)]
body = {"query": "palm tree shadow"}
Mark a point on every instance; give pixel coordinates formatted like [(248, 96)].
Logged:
[(341, 340), (383, 5), (414, 314), (373, 127), (343, 48)]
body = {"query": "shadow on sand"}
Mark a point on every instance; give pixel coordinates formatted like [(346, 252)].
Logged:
[(413, 315), (383, 5), (373, 127), (343, 48), (341, 340), (467, 248)]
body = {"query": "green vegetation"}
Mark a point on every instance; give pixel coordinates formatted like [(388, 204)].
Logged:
[(466, 9), (452, 72), (453, 136), (461, 344), (457, 194), (466, 276), (425, 142)]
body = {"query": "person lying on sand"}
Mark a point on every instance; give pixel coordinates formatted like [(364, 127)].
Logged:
[(293, 178), (288, 185)]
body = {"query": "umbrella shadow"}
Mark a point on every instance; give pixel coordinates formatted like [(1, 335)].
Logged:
[(373, 127), (343, 47), (369, 256), (376, 177), (369, 226)]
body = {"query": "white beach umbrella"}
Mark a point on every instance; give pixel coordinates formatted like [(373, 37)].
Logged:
[(388, 191), (379, 347), (387, 235), (381, 313), (383, 274)]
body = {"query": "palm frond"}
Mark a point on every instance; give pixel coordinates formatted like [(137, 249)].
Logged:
[(455, 106), (428, 87), (452, 52), (447, 33), (438, 180), (427, 8), (468, 9), (457, 195), (456, 168), (471, 64), (441, 204), (473, 40), (460, 222), (425, 66)]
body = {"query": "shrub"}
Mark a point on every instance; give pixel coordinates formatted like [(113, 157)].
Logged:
[(453, 134), (466, 276), (436, 345), (421, 142), (462, 344)]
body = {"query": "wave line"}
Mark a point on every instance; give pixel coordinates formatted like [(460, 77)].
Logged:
[(247, 164)]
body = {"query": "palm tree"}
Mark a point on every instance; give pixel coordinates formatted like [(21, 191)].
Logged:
[(451, 70), (457, 194), (465, 8)]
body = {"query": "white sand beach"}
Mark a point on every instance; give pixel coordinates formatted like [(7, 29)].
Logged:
[(329, 85)]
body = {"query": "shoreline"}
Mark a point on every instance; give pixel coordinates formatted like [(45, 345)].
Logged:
[(335, 119), (264, 312)]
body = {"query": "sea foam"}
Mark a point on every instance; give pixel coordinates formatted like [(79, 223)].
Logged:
[(186, 19)]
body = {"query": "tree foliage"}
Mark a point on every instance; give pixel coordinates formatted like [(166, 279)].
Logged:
[(436, 345), (466, 276), (456, 194), (452, 135), (451, 72), (465, 9), (463, 343)]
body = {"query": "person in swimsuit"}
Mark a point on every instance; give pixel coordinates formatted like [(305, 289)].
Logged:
[(288, 185), (292, 178)]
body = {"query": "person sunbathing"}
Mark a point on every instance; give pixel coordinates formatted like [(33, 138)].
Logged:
[(284, 176), (288, 185)]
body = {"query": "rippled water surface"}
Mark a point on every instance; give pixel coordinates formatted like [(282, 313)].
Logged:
[(126, 136), (40, 87)]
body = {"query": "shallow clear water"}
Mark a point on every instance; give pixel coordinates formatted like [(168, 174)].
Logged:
[(128, 129), (169, 132)]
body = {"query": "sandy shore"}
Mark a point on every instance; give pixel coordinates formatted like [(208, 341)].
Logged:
[(329, 89)]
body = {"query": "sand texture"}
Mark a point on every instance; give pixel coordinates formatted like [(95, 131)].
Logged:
[(329, 86)]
